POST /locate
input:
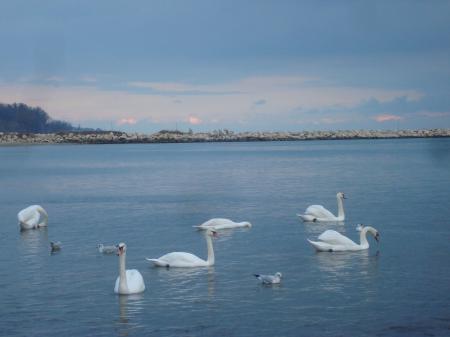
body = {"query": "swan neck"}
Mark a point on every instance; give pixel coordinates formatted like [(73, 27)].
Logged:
[(340, 203), (123, 285), (209, 245), (44, 217), (363, 238)]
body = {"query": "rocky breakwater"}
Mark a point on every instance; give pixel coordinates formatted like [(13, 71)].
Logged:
[(116, 137)]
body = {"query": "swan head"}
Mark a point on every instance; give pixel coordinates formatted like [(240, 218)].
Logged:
[(377, 236), (211, 232), (359, 227), (121, 248), (341, 195), (374, 232), (247, 224), (278, 274)]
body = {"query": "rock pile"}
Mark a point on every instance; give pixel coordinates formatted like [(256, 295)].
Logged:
[(116, 137)]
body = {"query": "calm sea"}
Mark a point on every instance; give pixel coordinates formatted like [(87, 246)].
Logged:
[(149, 196)]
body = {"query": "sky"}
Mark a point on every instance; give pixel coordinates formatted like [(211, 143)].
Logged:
[(143, 66)]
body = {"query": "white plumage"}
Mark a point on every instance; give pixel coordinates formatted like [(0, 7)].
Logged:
[(221, 223), (129, 281), (332, 241), (106, 249), (269, 279), (32, 217), (187, 260), (319, 213)]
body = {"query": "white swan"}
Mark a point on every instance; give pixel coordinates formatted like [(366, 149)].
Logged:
[(32, 217), (219, 223), (332, 241), (106, 249), (269, 279), (182, 259), (319, 213), (129, 281)]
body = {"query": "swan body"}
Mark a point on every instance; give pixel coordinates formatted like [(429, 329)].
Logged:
[(187, 260), (129, 281), (269, 279), (332, 241), (219, 223), (32, 217), (319, 213), (106, 249)]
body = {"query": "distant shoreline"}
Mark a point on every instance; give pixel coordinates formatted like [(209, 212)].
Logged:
[(117, 137)]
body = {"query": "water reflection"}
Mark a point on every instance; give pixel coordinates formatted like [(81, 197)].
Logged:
[(340, 268), (338, 262), (129, 308), (34, 240), (183, 280), (316, 228)]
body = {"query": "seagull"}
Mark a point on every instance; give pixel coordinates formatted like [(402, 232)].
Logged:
[(269, 279), (106, 249), (55, 246)]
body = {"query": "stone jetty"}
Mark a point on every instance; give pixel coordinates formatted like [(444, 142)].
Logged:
[(117, 137)]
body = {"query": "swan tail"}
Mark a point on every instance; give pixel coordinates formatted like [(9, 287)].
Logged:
[(158, 262), (307, 217), (320, 246)]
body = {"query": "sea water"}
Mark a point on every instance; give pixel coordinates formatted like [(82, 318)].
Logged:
[(150, 195)]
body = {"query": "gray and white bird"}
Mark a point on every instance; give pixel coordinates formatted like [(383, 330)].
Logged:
[(55, 246), (269, 279), (106, 249)]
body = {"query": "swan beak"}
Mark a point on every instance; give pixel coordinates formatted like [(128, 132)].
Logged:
[(214, 233), (119, 250), (377, 237)]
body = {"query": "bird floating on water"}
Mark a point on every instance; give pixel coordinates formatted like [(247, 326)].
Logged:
[(187, 260), (332, 241), (129, 281), (269, 279), (318, 213), (32, 217), (220, 223), (55, 246), (106, 249)]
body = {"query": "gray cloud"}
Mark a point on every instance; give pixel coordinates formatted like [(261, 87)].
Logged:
[(260, 102)]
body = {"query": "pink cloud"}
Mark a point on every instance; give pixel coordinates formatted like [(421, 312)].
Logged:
[(194, 120), (387, 118), (129, 121)]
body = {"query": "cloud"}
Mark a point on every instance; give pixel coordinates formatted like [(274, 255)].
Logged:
[(55, 79), (125, 121), (290, 97), (332, 120), (386, 118), (194, 120), (434, 114), (169, 88), (88, 79), (260, 102)]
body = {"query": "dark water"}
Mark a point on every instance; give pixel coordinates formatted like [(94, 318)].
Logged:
[(149, 196)]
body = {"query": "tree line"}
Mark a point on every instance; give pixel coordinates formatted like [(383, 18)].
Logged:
[(19, 117)]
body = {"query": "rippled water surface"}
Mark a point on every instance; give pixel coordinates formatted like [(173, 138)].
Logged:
[(150, 196)]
